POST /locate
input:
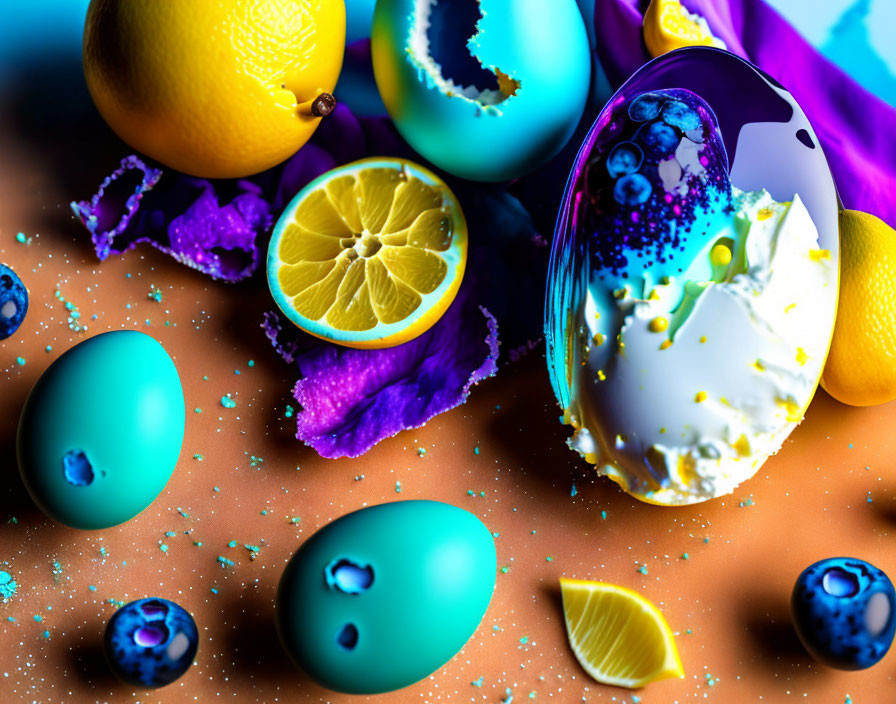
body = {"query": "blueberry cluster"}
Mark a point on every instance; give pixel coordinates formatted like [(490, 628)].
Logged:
[(13, 302), (844, 611), (659, 160), (151, 642)]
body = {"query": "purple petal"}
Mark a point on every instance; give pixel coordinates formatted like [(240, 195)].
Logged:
[(180, 216), (352, 399)]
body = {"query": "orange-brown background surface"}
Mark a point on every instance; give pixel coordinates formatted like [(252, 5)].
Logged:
[(829, 492)]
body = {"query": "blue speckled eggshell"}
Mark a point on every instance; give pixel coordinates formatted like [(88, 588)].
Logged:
[(423, 575), (540, 43), (13, 302), (833, 627), (101, 431), (151, 642)]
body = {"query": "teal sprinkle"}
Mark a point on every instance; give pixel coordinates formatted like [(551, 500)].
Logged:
[(197, 543), (848, 700), (103, 551), (228, 402), (685, 556), (236, 371), (10, 619), (505, 570), (476, 450), (20, 361), (524, 640), (289, 412), (397, 487), (170, 533), (869, 497), (532, 695), (46, 635), (183, 513), (76, 314), (573, 491), (603, 515), (643, 569), (689, 631), (20, 237), (496, 628), (496, 535), (478, 683), (216, 489), (163, 547), (232, 544), (91, 587), (508, 693), (214, 590), (8, 586), (264, 512), (49, 348), (706, 540), (224, 562), (421, 451), (548, 559), (38, 618), (251, 362), (850, 446), (746, 502), (636, 699), (197, 410), (69, 305)]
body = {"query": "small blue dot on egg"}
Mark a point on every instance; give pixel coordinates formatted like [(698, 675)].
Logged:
[(632, 189), (645, 107), (151, 642), (844, 611), (658, 138), (626, 158), (680, 115), (13, 302)]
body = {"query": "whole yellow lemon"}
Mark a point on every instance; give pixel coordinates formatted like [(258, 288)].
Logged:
[(861, 367), (214, 88)]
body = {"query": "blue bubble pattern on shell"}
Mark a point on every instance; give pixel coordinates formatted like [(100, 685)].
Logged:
[(844, 611), (151, 642), (13, 301), (657, 180)]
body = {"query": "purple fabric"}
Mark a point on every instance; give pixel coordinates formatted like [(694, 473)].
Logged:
[(857, 130), (352, 399)]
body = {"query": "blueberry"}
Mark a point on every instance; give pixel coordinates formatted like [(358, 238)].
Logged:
[(626, 158), (658, 138), (645, 107), (843, 612), (13, 301), (682, 116), (151, 642), (632, 189)]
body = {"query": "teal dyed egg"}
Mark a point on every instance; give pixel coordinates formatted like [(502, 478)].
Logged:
[(101, 430), (487, 90), (383, 597)]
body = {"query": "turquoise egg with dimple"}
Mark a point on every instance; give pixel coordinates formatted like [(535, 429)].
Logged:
[(385, 596), (101, 431), (488, 90)]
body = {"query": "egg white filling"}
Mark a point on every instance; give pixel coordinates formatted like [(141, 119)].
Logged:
[(419, 52), (686, 412)]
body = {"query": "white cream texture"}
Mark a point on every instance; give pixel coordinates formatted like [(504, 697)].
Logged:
[(682, 422)]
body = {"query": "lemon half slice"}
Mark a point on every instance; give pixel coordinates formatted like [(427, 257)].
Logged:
[(617, 635), (669, 26), (370, 254)]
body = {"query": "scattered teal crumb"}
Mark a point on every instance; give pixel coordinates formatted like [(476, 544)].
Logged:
[(11, 619), (216, 489), (228, 402), (642, 569), (573, 491), (147, 321), (848, 700), (508, 693), (289, 412), (232, 544), (197, 410), (170, 533), (264, 512), (182, 513), (251, 362), (224, 562), (48, 348), (496, 535), (91, 587), (689, 631), (253, 550), (850, 446), (197, 543), (603, 515), (46, 635), (205, 377), (497, 628), (255, 461), (505, 569), (869, 497), (236, 371), (294, 520), (20, 361), (532, 695), (684, 556), (549, 558), (476, 450), (636, 699), (706, 540), (710, 680), (746, 502), (13, 520), (103, 551), (478, 683), (115, 602), (524, 640), (57, 567), (38, 618), (359, 477), (397, 487), (163, 547), (22, 239), (74, 313), (214, 590), (421, 452)]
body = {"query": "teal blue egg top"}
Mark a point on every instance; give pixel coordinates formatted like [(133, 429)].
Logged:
[(101, 431), (384, 596)]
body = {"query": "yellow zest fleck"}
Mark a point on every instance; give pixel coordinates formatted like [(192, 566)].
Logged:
[(817, 255), (662, 431), (703, 339), (789, 308), (654, 296), (700, 397), (758, 365), (742, 445), (793, 410), (591, 457), (666, 344), (601, 375), (598, 339), (720, 255), (658, 324), (620, 293), (597, 316), (765, 213), (801, 356), (724, 401)]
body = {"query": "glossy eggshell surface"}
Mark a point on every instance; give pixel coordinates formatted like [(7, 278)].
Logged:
[(101, 431), (844, 611), (542, 44), (421, 577)]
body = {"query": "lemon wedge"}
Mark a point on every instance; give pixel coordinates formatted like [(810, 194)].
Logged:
[(617, 635), (669, 26), (370, 254)]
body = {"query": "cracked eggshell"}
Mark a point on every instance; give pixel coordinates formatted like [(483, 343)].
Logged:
[(541, 44), (385, 596), (101, 431)]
